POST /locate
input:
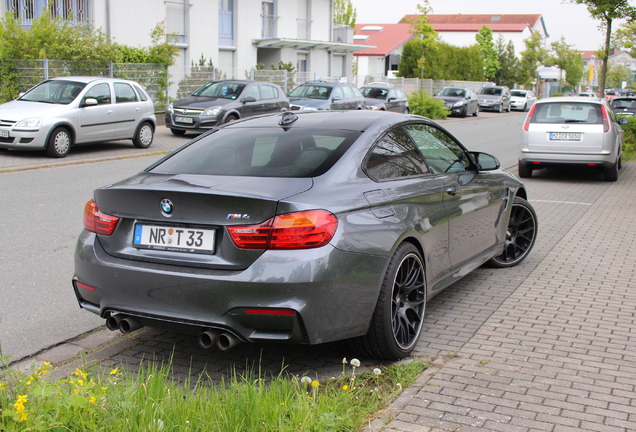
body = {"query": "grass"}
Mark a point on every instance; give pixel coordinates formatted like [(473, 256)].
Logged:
[(151, 400)]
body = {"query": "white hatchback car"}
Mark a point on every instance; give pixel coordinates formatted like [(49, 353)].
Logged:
[(60, 112), (571, 131), (522, 99)]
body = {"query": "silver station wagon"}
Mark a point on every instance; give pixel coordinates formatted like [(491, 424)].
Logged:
[(61, 112), (578, 131)]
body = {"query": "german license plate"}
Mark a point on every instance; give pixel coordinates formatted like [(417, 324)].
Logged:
[(565, 136), (4, 133), (184, 120), (174, 239)]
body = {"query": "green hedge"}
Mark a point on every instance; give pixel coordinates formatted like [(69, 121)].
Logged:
[(421, 103)]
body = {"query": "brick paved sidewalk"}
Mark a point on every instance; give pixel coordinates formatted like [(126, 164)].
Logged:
[(559, 353)]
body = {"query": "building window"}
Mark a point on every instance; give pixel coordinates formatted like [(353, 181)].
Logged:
[(304, 19), (269, 19), (226, 22), (177, 20), (26, 11)]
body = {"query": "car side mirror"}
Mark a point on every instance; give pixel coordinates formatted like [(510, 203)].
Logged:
[(89, 102), (249, 99), (392, 98), (336, 98), (485, 161), (623, 121)]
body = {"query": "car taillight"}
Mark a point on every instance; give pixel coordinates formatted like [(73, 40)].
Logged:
[(299, 230), (526, 125), (98, 222), (606, 126)]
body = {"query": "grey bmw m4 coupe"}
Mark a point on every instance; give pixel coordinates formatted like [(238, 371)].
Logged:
[(304, 228)]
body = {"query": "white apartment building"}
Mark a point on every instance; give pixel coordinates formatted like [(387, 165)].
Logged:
[(235, 35)]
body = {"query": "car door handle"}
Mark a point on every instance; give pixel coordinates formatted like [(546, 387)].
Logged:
[(110, 112), (452, 190), (137, 109)]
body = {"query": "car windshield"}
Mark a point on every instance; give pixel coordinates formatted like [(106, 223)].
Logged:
[(518, 93), (568, 112), (374, 92), (623, 103), (262, 152), (311, 91), (54, 92), (455, 92), (491, 91), (225, 90)]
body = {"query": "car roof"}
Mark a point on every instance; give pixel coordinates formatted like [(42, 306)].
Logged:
[(355, 120), (585, 99), (382, 86), (88, 79)]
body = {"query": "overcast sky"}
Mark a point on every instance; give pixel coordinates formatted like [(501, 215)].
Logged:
[(571, 21)]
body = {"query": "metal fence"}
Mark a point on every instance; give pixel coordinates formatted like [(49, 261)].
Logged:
[(163, 88)]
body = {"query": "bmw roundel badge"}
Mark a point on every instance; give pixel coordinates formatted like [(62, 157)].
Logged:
[(166, 206)]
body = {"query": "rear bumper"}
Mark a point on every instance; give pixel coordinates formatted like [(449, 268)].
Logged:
[(540, 160), (331, 293)]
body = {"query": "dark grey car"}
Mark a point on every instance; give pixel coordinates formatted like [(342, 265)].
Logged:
[(303, 228), (219, 102), (320, 95), (385, 98), (494, 98), (459, 101)]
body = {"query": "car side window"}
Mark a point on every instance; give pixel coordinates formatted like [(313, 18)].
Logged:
[(348, 93), (124, 93), (400, 94), (141, 93), (337, 93), (442, 153), (269, 92), (392, 94), (101, 92), (357, 92), (253, 91), (395, 156)]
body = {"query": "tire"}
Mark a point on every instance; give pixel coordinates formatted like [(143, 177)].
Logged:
[(509, 108), (230, 118), (407, 110), (397, 320), (476, 113), (144, 135), (620, 162), (521, 234), (525, 107), (464, 112), (524, 171), (59, 143), (611, 173), (501, 108), (178, 132)]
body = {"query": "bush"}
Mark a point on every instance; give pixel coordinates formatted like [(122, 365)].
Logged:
[(421, 103), (629, 139)]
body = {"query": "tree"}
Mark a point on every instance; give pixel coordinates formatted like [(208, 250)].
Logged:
[(534, 56), (607, 11), (508, 72), (618, 74), (425, 32), (344, 13), (569, 60), (487, 47)]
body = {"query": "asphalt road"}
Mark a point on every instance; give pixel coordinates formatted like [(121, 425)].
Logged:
[(41, 210)]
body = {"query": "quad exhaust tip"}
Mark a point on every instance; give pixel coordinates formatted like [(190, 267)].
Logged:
[(223, 340), (124, 324)]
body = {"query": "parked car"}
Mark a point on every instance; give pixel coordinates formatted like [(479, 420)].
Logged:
[(61, 112), (459, 101), (624, 106), (610, 94), (219, 102), (494, 98), (522, 99), (320, 95), (586, 94), (238, 236), (578, 131), (385, 98)]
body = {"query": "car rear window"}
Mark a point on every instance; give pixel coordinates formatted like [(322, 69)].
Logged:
[(568, 112), (518, 93), (263, 152)]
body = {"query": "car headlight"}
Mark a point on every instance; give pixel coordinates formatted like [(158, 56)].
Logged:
[(30, 123), (212, 111), (308, 109), (458, 104), (169, 108)]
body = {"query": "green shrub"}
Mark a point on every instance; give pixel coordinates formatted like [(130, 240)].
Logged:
[(629, 139), (557, 94), (421, 103)]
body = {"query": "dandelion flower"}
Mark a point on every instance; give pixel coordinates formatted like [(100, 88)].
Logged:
[(344, 360), (377, 371), (305, 380), (282, 404), (345, 387), (355, 362), (92, 399), (315, 384), (113, 372)]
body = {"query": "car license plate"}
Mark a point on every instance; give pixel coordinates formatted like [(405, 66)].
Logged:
[(184, 120), (565, 136), (4, 133), (174, 239)]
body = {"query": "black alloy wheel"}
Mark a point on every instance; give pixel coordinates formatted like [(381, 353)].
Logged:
[(520, 235), (397, 321)]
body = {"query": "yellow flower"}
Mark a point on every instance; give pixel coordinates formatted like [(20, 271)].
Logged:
[(92, 399), (282, 404), (315, 383), (80, 373), (113, 372), (345, 387), (23, 417), (104, 388)]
